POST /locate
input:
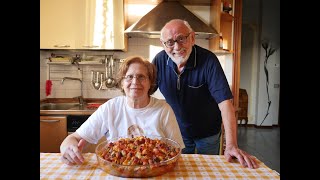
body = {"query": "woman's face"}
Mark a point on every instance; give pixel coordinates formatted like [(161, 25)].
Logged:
[(137, 83)]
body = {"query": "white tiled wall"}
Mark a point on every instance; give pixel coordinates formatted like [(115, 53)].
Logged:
[(136, 46)]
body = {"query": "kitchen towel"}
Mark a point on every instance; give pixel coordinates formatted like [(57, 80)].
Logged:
[(48, 87)]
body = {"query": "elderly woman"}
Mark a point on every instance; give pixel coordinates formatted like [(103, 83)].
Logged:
[(135, 113)]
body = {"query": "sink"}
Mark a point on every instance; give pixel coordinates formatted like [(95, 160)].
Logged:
[(68, 106), (59, 106)]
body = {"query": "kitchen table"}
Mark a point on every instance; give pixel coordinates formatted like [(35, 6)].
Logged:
[(190, 166)]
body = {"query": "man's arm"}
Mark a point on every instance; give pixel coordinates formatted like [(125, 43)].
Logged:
[(230, 127), (229, 122)]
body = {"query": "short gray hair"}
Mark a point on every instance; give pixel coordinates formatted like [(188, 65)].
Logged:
[(184, 22)]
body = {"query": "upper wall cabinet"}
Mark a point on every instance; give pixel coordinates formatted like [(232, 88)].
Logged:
[(222, 19), (82, 24)]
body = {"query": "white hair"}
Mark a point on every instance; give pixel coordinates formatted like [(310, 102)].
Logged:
[(184, 22)]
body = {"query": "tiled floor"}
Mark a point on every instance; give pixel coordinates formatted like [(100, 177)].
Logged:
[(263, 143)]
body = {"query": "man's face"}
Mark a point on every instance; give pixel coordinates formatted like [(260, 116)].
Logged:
[(178, 42)]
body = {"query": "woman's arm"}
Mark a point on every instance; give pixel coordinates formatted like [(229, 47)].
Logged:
[(71, 149)]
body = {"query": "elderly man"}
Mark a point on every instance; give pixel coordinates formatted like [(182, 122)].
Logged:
[(194, 84)]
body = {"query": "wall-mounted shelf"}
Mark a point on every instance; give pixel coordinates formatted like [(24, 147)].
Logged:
[(222, 52), (80, 63), (226, 17), (91, 62), (77, 59), (59, 63), (223, 22)]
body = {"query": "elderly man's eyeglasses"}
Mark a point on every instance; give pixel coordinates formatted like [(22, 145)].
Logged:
[(141, 78), (180, 39)]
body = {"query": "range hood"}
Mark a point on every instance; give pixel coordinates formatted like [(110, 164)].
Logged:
[(149, 25)]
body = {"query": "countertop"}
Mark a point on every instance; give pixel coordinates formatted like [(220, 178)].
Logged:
[(190, 166), (82, 111)]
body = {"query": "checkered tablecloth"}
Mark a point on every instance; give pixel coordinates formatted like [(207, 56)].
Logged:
[(190, 166)]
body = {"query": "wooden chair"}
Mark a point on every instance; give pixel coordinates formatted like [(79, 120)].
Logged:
[(243, 107), (222, 141)]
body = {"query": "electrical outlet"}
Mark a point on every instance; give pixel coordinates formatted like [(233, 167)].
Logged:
[(276, 85)]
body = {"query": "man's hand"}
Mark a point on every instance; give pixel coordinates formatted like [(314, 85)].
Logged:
[(245, 159)]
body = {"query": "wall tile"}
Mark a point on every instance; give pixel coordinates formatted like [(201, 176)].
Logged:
[(136, 46)]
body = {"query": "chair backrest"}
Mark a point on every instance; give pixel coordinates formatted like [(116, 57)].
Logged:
[(222, 141), (243, 104)]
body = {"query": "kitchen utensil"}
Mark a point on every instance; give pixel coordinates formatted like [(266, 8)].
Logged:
[(110, 82), (97, 83), (113, 81), (92, 78), (101, 80)]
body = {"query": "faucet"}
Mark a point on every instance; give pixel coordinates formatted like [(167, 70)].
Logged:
[(80, 98)]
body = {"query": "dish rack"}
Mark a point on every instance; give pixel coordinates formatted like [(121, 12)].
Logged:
[(100, 79), (68, 59)]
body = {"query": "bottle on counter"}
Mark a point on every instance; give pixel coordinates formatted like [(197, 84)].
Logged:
[(230, 9), (220, 41), (227, 7)]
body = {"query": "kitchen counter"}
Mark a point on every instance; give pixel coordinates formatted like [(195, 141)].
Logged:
[(73, 111), (61, 116)]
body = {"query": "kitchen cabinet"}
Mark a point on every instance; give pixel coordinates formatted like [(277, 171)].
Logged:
[(224, 23), (58, 23), (82, 24), (53, 130), (229, 24)]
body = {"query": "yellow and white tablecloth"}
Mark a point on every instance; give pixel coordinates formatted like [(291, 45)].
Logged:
[(190, 166)]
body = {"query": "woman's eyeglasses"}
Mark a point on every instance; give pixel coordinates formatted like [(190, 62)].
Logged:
[(180, 39), (141, 78)]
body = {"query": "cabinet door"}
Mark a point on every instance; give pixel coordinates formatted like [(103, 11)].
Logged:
[(58, 21), (82, 24), (102, 26), (53, 130)]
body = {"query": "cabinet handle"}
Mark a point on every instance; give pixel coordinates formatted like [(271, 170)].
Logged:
[(88, 46), (49, 121), (60, 46)]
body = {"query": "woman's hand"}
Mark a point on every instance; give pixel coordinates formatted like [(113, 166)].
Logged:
[(71, 149)]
